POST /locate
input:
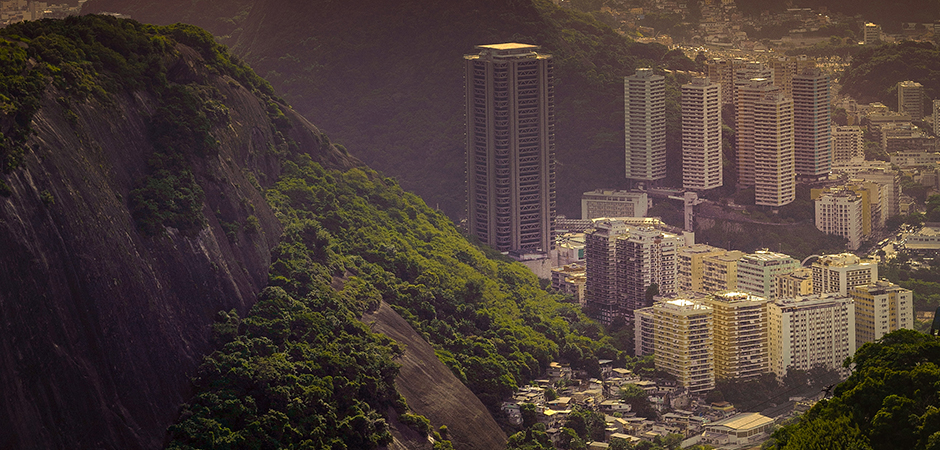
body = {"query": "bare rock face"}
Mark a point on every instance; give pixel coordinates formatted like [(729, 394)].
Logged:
[(432, 390), (101, 326)]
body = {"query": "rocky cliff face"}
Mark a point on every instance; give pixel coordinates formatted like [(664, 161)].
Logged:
[(100, 324)]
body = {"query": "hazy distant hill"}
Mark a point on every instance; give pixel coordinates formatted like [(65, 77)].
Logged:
[(385, 78), (875, 72)]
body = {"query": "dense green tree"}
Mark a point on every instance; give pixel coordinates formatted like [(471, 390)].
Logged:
[(638, 400), (890, 400)]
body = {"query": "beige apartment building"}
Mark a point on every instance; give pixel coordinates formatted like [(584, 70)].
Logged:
[(691, 271), (880, 308), (798, 283), (740, 335), (720, 272), (682, 342)]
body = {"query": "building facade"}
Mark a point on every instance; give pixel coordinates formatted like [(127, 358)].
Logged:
[(798, 283), (891, 180), (774, 157), (683, 344), (740, 335), (936, 116), (510, 101), (644, 97), (847, 143), (571, 279), (880, 308), (812, 125), (757, 272), (612, 203), (911, 99), (872, 34), (691, 269), (646, 256), (764, 136), (840, 213), (603, 285), (745, 71), (813, 330), (701, 135), (720, 272), (785, 68)]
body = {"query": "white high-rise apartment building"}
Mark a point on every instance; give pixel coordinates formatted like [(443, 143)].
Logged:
[(839, 273), (644, 105), (847, 143), (745, 71), (774, 164), (701, 135), (721, 71), (911, 99), (880, 308), (757, 272), (644, 331), (812, 124), (807, 331), (747, 98), (510, 100), (840, 212), (787, 67), (740, 335), (645, 257), (682, 342)]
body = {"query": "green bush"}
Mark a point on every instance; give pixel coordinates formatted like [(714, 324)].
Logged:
[(416, 422)]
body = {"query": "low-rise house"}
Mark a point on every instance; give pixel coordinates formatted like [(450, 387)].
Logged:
[(625, 374), (681, 398), (513, 412), (557, 371), (530, 394), (648, 386), (592, 396), (615, 406), (722, 406), (740, 429), (607, 367), (560, 403), (632, 440), (634, 425), (554, 418)]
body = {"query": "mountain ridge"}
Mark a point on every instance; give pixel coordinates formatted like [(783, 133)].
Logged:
[(101, 321)]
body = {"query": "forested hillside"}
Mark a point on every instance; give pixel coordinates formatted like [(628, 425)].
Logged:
[(386, 78), (153, 185), (130, 210), (891, 400), (874, 73), (301, 367)]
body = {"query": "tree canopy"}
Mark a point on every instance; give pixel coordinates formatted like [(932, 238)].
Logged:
[(891, 400)]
